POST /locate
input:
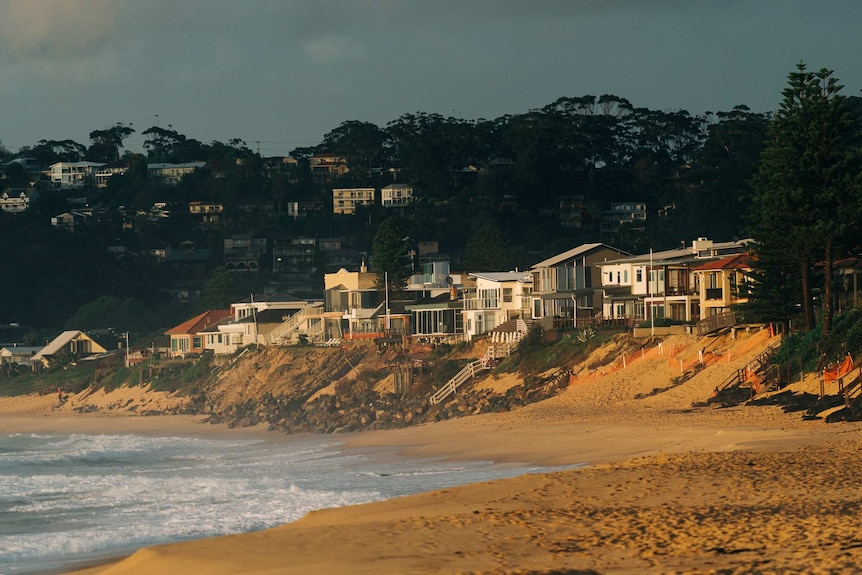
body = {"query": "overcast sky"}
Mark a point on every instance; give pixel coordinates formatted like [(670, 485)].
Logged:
[(285, 72)]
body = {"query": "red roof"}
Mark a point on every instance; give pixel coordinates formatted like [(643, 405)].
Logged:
[(200, 322), (734, 262)]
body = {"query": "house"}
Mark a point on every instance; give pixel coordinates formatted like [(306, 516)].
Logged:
[(352, 304), (567, 288), (107, 171), (396, 195), (71, 175), (171, 174), (723, 283), (302, 209), (70, 220), (15, 354), (437, 319), (631, 214), (660, 284), (346, 200), (185, 338), (498, 298), (326, 167), (17, 200), (243, 253), (68, 346), (209, 212)]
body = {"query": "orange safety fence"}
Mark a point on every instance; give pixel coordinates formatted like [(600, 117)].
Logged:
[(836, 372), (672, 352)]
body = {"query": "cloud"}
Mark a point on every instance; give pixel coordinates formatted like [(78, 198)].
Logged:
[(332, 49), (61, 29)]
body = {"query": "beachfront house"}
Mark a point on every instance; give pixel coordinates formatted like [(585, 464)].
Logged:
[(498, 298), (723, 283), (660, 284), (567, 288), (185, 337), (68, 346), (352, 304), (18, 354)]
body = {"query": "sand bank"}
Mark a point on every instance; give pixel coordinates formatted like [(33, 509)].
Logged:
[(670, 487)]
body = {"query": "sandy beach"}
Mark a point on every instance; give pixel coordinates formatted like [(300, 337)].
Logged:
[(666, 488)]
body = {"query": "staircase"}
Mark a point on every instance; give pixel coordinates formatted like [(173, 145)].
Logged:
[(758, 369), (493, 353), (292, 326)]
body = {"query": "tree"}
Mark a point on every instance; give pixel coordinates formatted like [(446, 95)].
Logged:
[(486, 250), (389, 257), (807, 189), (106, 143)]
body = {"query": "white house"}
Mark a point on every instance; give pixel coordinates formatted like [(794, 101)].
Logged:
[(396, 195), (70, 175), (499, 297), (17, 200)]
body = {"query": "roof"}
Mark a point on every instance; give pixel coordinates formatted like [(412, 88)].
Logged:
[(200, 322), (582, 249), (19, 350), (734, 262), (61, 341), (502, 276)]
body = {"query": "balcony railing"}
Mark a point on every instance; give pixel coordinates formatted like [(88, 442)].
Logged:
[(713, 293), (481, 303)]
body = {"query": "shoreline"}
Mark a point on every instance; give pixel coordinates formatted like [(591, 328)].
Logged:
[(660, 490)]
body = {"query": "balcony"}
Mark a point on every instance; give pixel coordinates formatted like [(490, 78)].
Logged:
[(474, 303), (714, 294)]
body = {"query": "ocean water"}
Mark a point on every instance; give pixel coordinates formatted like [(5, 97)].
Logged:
[(66, 500)]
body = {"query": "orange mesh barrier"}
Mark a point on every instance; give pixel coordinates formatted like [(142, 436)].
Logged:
[(835, 372)]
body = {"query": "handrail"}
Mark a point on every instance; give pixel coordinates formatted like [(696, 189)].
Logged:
[(293, 322), (469, 371)]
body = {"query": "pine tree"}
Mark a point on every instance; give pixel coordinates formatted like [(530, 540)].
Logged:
[(807, 188), (389, 257)]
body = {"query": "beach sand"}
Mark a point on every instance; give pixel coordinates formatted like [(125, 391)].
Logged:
[(667, 488)]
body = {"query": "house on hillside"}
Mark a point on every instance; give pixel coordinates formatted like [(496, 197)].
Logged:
[(567, 288), (186, 338), (498, 298), (68, 346), (17, 200), (171, 174), (71, 175), (346, 200)]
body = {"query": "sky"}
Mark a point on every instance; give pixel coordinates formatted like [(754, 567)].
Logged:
[(280, 74)]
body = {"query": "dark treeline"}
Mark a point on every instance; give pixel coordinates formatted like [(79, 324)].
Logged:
[(481, 187)]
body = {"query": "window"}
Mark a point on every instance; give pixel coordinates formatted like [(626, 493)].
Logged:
[(626, 276), (639, 275), (618, 277), (507, 294)]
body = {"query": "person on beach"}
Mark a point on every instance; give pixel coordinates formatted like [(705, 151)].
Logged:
[(60, 394)]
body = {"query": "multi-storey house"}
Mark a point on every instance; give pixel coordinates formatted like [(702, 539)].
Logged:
[(17, 200), (396, 195), (498, 298), (71, 175), (660, 284), (723, 283), (567, 288), (346, 200)]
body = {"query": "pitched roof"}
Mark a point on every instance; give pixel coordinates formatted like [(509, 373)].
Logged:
[(575, 252), (62, 341), (200, 322), (734, 262)]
